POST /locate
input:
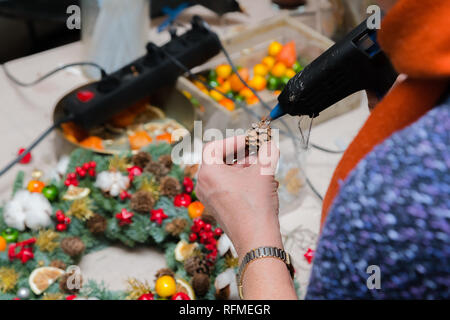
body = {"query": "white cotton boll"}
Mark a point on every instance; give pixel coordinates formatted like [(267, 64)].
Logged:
[(112, 182), (36, 220), (60, 169), (115, 190), (224, 244), (14, 216)]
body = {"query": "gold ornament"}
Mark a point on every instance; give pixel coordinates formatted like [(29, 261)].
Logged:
[(136, 288), (230, 261), (118, 163), (47, 240), (81, 209), (8, 279), (53, 296), (151, 186), (36, 174)]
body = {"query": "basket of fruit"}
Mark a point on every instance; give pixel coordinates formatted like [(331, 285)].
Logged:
[(266, 56)]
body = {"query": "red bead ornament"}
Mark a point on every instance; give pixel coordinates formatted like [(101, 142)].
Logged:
[(182, 200), (147, 296), (158, 216), (27, 158), (87, 168), (124, 217), (192, 237), (309, 255), (63, 221), (71, 297), (60, 216), (188, 185), (61, 227), (180, 296), (134, 171), (124, 195), (25, 253), (218, 232)]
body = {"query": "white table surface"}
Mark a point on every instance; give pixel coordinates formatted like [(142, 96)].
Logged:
[(26, 112)]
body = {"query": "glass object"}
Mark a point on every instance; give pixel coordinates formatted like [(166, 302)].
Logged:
[(114, 32)]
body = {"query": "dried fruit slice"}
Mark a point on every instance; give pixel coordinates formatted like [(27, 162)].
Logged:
[(74, 193), (183, 250), (42, 278), (185, 287)]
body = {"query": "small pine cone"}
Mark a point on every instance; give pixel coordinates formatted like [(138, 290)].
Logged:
[(73, 246), (58, 264), (196, 264), (191, 170), (157, 169), (142, 201), (200, 284), (257, 135), (223, 294), (208, 217), (169, 186), (166, 161), (66, 280), (176, 226), (164, 272), (97, 224), (141, 159)]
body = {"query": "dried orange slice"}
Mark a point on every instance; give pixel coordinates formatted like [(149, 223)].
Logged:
[(167, 137), (139, 139), (183, 250), (42, 278), (93, 142), (75, 193), (185, 287)]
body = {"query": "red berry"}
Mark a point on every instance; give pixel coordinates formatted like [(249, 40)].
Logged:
[(86, 166), (210, 247), (147, 296), (67, 182), (188, 185), (61, 227), (91, 172), (74, 183), (71, 176), (195, 228), (27, 158), (67, 220), (71, 297), (60, 217), (218, 232), (92, 164), (180, 296), (209, 235), (212, 241), (207, 227), (201, 224), (82, 173), (192, 237)]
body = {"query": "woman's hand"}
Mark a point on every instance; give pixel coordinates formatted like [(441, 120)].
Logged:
[(242, 197)]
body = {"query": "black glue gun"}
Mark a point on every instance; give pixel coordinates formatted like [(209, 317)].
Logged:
[(352, 64)]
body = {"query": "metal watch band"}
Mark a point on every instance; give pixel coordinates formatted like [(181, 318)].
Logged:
[(262, 252)]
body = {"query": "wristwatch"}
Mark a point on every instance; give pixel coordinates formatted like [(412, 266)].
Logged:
[(259, 253)]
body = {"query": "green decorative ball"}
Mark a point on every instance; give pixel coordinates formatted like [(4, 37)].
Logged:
[(10, 235), (273, 83), (50, 192), (297, 67)]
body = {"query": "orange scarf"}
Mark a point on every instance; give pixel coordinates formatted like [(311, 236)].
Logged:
[(416, 37)]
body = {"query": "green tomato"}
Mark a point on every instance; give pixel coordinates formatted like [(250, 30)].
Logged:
[(10, 235), (195, 102), (297, 67), (50, 192), (284, 80), (230, 95), (212, 75), (273, 83), (239, 98), (213, 83)]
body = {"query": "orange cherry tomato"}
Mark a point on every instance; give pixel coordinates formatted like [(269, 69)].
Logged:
[(227, 103), (288, 54), (195, 209), (3, 244), (139, 139), (236, 83), (35, 186), (167, 137)]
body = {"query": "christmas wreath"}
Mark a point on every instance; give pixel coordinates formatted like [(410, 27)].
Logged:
[(93, 201)]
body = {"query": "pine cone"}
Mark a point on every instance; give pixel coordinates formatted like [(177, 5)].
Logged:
[(169, 186), (166, 161), (141, 159), (257, 135), (207, 217), (64, 285), (164, 272), (73, 246), (223, 294), (157, 169), (196, 264), (142, 201), (176, 226), (191, 170), (58, 264), (200, 284), (97, 224)]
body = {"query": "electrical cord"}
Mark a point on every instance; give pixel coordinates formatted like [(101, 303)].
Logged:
[(34, 144), (49, 74)]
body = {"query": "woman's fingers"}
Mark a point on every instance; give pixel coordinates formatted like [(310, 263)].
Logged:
[(224, 151)]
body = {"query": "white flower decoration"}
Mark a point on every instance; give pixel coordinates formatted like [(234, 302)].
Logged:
[(228, 278), (27, 209), (224, 244), (112, 182)]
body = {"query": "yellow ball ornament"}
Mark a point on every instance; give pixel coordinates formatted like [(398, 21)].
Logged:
[(165, 286)]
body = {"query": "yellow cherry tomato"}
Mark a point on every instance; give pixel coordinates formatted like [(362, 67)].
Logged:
[(252, 100), (196, 208), (275, 48), (278, 70), (224, 70), (258, 83), (269, 61), (228, 104), (290, 73), (199, 85), (246, 93), (165, 286), (35, 186), (225, 87), (260, 70), (215, 95), (3, 244)]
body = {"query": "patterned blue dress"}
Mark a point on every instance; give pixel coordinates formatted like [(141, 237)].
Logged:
[(392, 212)]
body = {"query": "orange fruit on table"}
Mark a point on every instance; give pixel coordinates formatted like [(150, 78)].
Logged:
[(93, 142), (252, 100), (224, 87), (268, 61), (227, 103), (236, 83), (258, 83), (167, 137), (274, 48), (195, 209), (260, 70), (224, 70), (3, 244), (288, 54), (246, 93), (278, 70), (139, 139), (35, 186)]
